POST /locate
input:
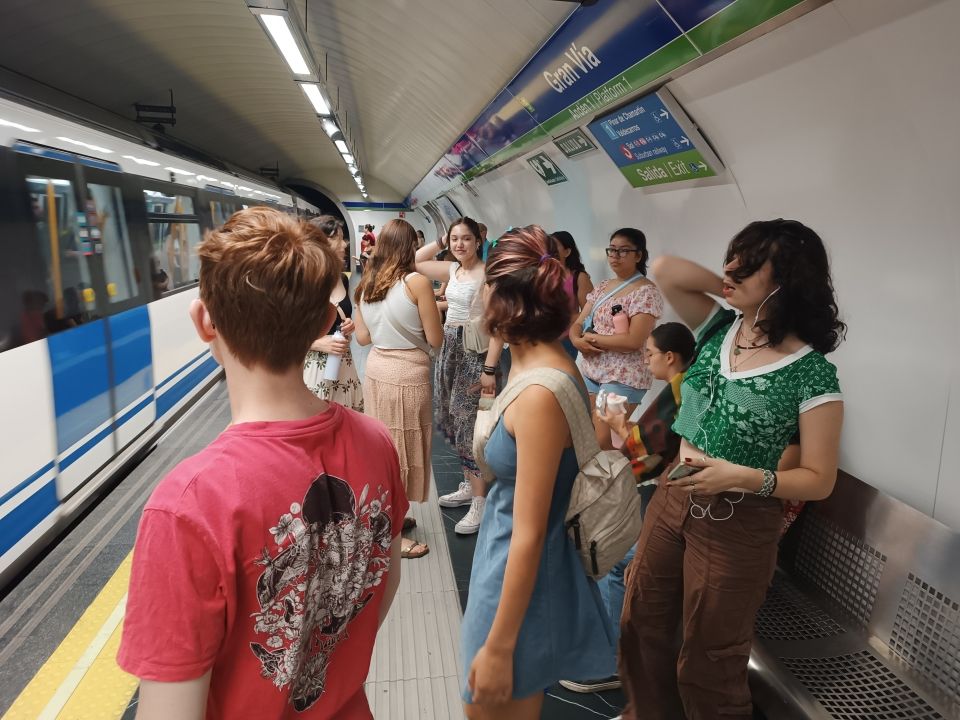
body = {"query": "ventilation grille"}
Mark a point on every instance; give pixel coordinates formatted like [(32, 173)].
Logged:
[(926, 635), (842, 566), (859, 687), (787, 614)]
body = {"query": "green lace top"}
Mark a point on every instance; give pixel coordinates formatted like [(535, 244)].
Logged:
[(748, 417)]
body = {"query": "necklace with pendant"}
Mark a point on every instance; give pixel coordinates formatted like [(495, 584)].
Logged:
[(738, 348)]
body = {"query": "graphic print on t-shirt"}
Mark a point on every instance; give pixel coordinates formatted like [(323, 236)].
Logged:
[(329, 552)]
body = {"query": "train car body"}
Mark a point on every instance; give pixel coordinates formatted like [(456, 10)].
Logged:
[(97, 354)]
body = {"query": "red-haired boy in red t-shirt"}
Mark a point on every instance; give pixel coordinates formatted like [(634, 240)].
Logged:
[(265, 564)]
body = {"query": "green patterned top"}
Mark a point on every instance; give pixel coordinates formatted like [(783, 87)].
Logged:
[(748, 417)]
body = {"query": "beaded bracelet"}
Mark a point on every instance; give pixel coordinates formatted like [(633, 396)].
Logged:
[(489, 370), (769, 484)]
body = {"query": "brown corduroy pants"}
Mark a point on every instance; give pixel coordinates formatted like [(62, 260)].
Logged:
[(692, 594)]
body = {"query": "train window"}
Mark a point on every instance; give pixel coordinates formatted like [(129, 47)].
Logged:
[(221, 211), (160, 203), (107, 225), (174, 262), (64, 239)]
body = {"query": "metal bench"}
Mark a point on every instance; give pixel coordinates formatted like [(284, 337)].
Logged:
[(862, 621)]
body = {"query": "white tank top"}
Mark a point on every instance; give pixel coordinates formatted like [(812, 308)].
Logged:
[(403, 312), (459, 297)]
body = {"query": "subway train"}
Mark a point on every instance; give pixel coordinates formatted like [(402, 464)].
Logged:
[(96, 360)]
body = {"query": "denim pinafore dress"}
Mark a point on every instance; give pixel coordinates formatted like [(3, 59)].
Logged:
[(565, 633)]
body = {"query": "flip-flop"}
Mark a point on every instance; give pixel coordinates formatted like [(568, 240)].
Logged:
[(411, 552), (409, 523)]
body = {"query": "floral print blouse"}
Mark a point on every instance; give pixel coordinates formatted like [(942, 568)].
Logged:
[(628, 368)]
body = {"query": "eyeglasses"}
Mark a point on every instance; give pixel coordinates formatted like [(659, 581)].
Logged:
[(619, 252)]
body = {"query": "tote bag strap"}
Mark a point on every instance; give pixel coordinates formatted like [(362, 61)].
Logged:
[(570, 399)]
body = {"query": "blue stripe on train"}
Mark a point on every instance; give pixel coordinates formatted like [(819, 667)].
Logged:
[(183, 367), (81, 385), (23, 518), (89, 444), (27, 515), (10, 493), (184, 385), (132, 355)]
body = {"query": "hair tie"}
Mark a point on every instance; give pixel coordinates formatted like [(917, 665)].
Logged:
[(544, 258)]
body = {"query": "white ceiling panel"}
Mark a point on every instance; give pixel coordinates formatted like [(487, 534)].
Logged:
[(410, 74)]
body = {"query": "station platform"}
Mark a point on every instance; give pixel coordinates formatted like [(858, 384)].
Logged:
[(60, 623)]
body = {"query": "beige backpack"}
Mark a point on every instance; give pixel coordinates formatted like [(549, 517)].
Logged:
[(603, 519)]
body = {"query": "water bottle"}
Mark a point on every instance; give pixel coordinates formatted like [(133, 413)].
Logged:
[(621, 323), (332, 369)]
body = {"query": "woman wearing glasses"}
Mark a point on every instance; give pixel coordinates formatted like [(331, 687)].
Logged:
[(610, 360), (709, 542)]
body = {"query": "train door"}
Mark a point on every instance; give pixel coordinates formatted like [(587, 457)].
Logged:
[(116, 224), (77, 333)]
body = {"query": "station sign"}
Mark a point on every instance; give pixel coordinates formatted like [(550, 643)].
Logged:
[(574, 143), (653, 142), (547, 169)]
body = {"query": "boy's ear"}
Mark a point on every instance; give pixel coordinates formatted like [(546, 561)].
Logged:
[(202, 322)]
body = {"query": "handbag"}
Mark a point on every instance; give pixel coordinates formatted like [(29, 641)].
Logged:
[(475, 337), (603, 518)]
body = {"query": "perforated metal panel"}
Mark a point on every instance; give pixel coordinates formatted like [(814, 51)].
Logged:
[(842, 566), (787, 614), (859, 687), (926, 635)]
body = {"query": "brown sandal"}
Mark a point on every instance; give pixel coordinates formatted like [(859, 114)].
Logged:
[(411, 553)]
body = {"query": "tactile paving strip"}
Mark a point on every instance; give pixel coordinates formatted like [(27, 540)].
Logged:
[(926, 635), (787, 614), (842, 566), (859, 687)]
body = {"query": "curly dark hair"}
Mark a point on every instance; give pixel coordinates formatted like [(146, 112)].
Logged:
[(806, 304), (526, 301)]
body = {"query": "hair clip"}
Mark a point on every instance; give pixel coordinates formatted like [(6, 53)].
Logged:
[(544, 258)]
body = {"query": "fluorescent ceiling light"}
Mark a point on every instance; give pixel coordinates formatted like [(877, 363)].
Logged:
[(244, 188), (17, 126), (342, 147), (316, 98), (201, 178), (228, 184), (44, 181), (141, 161), (330, 127), (178, 171), (348, 158), (279, 30), (97, 148)]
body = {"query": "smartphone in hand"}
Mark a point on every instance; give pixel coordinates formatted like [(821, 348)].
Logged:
[(682, 471)]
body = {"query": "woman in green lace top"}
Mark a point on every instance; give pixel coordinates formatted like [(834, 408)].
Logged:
[(709, 543)]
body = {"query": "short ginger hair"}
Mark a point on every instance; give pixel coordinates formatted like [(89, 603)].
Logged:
[(266, 279)]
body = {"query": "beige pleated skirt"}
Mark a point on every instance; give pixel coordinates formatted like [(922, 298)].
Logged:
[(397, 391)]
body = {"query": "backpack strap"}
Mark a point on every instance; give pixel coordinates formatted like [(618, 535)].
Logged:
[(570, 399)]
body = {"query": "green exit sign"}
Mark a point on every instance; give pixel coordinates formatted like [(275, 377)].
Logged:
[(547, 169), (576, 142)]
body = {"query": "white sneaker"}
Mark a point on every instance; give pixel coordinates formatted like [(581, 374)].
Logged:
[(461, 496), (471, 521)]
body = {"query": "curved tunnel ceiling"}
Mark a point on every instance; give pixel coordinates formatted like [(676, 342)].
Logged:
[(411, 74)]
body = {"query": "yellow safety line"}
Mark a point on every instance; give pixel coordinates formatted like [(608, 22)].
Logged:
[(81, 678)]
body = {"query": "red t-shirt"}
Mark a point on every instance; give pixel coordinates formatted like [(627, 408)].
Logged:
[(264, 557)]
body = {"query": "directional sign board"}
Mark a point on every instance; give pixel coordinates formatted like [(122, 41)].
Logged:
[(546, 169), (574, 143), (653, 142)]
